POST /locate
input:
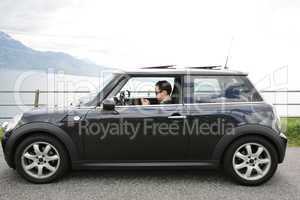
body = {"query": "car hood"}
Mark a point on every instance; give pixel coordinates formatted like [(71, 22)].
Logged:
[(53, 114)]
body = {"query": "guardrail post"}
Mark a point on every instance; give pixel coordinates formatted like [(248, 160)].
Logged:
[(36, 98)]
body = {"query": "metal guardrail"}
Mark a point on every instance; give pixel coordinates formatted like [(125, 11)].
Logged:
[(43, 91), (36, 97), (280, 91), (5, 118), (38, 92)]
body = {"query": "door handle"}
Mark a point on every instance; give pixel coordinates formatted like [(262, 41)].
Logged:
[(177, 117)]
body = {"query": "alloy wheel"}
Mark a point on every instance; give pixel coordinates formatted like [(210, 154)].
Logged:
[(40, 160), (251, 161)]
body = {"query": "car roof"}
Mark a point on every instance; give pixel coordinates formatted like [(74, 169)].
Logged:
[(170, 70)]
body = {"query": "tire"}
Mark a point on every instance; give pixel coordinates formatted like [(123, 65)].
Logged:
[(237, 166), (44, 156)]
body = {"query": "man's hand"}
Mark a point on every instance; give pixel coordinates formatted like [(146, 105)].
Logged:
[(145, 101)]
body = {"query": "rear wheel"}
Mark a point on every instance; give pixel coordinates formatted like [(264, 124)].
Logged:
[(251, 160), (41, 159)]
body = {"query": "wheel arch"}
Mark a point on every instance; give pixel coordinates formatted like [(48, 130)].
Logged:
[(43, 128), (248, 130)]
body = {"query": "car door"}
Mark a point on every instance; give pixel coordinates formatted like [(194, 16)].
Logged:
[(136, 134), (208, 115)]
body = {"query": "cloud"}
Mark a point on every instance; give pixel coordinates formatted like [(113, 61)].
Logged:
[(28, 15), (130, 33)]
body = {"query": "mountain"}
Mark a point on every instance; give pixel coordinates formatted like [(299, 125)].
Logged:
[(15, 55)]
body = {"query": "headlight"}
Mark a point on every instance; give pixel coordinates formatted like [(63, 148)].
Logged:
[(8, 126), (277, 118), (283, 136)]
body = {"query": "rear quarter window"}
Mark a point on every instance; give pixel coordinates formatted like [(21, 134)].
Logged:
[(218, 89)]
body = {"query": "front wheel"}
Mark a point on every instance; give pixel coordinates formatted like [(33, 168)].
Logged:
[(41, 159), (251, 160)]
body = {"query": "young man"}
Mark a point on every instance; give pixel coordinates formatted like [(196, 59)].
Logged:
[(163, 91)]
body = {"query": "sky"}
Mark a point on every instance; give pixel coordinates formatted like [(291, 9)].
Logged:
[(259, 36)]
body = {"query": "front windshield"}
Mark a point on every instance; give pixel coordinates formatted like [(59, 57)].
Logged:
[(89, 98)]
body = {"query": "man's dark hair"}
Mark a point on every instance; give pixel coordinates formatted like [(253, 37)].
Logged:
[(164, 85)]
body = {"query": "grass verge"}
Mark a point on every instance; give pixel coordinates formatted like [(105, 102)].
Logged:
[(291, 125), (1, 133)]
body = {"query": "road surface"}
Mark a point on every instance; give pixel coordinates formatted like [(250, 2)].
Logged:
[(152, 185)]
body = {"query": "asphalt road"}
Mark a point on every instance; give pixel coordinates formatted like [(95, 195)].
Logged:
[(152, 185)]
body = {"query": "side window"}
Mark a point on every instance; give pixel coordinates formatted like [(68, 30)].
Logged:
[(139, 90), (218, 89), (144, 87), (206, 89)]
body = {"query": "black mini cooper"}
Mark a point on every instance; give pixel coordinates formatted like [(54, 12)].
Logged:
[(159, 117)]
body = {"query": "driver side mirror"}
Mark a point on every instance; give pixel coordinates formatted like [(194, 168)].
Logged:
[(109, 104)]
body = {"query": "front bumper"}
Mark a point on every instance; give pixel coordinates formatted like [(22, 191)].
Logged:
[(283, 141), (5, 152)]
